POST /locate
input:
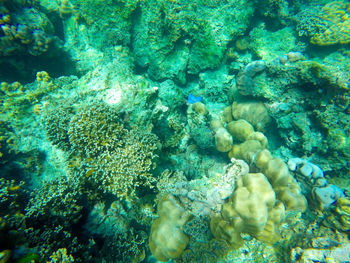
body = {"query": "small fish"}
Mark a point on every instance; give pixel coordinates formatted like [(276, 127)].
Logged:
[(193, 99), (141, 146), (88, 173)]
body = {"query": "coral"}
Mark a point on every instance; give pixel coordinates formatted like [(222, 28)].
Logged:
[(51, 213), (197, 228), (210, 251), (65, 8), (95, 130), (326, 26), (204, 196), (5, 255), (12, 195), (286, 187), (240, 130), (252, 209), (56, 123), (215, 85), (253, 112), (334, 254), (61, 256), (200, 108), (28, 31), (8, 142), (109, 21), (167, 239), (123, 241), (223, 140), (116, 159), (269, 45), (20, 101), (318, 125), (327, 195), (322, 194), (338, 217), (174, 38), (247, 150), (55, 203)]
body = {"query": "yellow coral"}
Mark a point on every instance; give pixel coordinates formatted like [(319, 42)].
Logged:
[(42, 76), (61, 256), (167, 239), (336, 16)]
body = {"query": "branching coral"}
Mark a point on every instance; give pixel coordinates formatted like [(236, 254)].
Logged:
[(57, 205), (119, 160), (56, 123)]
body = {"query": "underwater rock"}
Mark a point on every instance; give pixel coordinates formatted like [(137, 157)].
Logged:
[(245, 78), (327, 195), (323, 195), (340, 254)]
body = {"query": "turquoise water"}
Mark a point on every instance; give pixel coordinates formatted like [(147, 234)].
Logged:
[(174, 131)]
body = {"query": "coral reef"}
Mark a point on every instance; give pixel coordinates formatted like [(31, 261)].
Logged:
[(245, 78), (176, 140)]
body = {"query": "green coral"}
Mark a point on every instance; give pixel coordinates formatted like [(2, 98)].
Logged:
[(55, 203), (175, 37), (56, 123), (326, 26), (109, 21)]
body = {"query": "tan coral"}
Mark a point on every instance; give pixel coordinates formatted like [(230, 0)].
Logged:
[(167, 239)]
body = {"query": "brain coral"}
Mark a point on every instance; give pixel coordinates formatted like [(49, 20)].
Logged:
[(328, 26)]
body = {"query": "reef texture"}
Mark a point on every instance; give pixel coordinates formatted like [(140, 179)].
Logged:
[(326, 26), (183, 131)]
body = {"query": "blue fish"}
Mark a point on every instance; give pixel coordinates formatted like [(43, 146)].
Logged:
[(193, 99)]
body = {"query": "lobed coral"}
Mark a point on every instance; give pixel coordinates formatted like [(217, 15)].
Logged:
[(167, 239), (338, 217), (61, 256), (252, 209)]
